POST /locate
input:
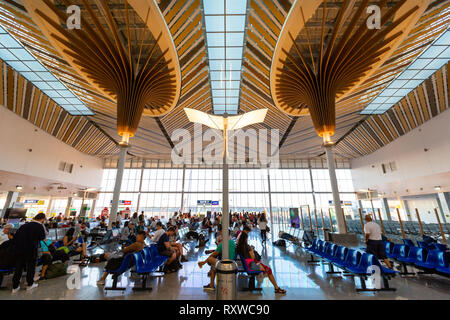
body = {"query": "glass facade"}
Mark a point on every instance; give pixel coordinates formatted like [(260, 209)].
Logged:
[(158, 188)]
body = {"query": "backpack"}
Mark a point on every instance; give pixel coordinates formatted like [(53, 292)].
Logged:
[(56, 270)]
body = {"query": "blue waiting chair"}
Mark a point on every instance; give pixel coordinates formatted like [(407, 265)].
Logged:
[(431, 262), (252, 275), (443, 264), (127, 263), (340, 255), (145, 265), (362, 269)]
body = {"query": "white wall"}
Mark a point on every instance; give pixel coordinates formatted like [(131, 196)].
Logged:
[(418, 171), (19, 135), (425, 204)]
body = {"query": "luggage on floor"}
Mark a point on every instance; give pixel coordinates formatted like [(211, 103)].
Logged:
[(56, 270)]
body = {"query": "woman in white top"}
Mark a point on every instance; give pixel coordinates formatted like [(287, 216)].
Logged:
[(262, 224)]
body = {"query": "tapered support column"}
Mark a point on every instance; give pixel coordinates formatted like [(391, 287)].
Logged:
[(225, 213), (444, 205), (117, 186), (270, 203), (386, 210), (334, 189), (182, 190), (10, 199), (69, 205), (49, 207)]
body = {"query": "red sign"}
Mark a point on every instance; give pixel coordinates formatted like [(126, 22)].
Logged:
[(127, 203), (105, 212)]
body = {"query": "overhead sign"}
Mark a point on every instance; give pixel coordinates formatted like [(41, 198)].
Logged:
[(343, 203), (204, 202), (41, 202), (31, 201), (215, 203), (123, 202)]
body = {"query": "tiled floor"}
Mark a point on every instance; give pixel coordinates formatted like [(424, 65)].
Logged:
[(301, 280)]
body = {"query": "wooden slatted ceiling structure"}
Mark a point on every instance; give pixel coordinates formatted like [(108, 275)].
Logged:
[(426, 102), (184, 19), (302, 140), (265, 19), (23, 98), (148, 140)]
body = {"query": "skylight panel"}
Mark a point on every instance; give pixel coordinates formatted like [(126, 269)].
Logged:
[(225, 28), (19, 58), (431, 60)]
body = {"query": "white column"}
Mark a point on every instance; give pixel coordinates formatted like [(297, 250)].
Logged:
[(386, 210), (406, 208), (117, 185), (182, 190), (49, 207), (444, 201), (69, 204), (92, 213), (225, 213), (335, 190), (138, 206), (10, 199), (270, 203)]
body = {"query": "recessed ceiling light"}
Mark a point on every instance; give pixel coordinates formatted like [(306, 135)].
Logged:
[(437, 188), (19, 187)]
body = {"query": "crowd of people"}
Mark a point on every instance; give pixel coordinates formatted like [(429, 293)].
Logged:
[(29, 245)]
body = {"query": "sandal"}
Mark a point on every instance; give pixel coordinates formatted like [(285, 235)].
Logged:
[(280, 291)]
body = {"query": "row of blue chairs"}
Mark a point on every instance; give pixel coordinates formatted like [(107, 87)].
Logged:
[(352, 262), (429, 261), (145, 262)]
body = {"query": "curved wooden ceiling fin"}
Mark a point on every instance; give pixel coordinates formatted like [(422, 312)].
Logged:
[(302, 79), (141, 81)]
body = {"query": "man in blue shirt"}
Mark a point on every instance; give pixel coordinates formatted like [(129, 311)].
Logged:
[(165, 249), (216, 256)]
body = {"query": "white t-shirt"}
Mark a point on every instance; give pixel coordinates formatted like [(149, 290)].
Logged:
[(262, 225), (373, 230), (157, 235)]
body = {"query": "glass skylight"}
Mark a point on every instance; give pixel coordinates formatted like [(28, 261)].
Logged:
[(225, 29), (14, 54), (432, 59)]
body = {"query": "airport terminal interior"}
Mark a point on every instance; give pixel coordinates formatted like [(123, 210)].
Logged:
[(138, 135)]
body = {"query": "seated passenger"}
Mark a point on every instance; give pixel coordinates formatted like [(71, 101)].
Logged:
[(128, 233), (176, 245), (6, 254), (216, 256), (141, 226), (49, 255), (248, 254), (115, 261), (159, 231), (165, 249), (5, 235), (72, 245)]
